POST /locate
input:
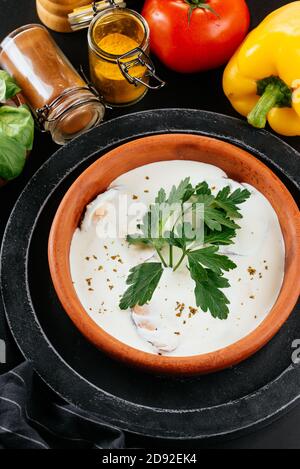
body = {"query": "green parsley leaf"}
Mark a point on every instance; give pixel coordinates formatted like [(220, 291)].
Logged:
[(150, 229), (208, 294), (218, 280), (229, 202), (154, 220), (179, 194), (137, 239), (210, 298), (143, 280), (182, 236), (202, 189), (240, 196), (216, 219), (205, 264), (208, 257), (219, 238), (161, 197), (198, 273), (206, 199)]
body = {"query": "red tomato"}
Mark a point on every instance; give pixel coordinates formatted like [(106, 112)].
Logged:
[(207, 41)]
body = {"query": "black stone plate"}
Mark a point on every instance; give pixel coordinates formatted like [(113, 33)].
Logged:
[(226, 403)]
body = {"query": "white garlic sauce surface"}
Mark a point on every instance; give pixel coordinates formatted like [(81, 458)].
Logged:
[(171, 324)]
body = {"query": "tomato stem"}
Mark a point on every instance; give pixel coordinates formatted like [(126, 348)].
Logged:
[(202, 4)]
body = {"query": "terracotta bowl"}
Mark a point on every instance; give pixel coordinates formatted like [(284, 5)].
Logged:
[(239, 165)]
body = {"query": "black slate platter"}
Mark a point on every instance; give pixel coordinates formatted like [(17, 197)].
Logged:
[(223, 404)]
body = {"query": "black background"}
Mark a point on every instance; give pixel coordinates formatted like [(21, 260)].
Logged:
[(199, 91)]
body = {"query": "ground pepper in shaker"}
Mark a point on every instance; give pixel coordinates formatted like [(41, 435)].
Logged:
[(62, 101)]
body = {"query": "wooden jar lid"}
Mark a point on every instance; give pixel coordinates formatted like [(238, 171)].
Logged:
[(54, 13)]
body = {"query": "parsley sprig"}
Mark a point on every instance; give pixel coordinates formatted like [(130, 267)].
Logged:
[(164, 226)]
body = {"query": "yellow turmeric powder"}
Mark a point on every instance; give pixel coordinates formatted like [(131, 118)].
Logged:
[(106, 73), (117, 44)]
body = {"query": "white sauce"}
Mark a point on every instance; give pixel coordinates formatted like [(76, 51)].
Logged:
[(100, 268)]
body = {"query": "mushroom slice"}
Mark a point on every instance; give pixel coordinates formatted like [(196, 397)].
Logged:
[(99, 208), (104, 213), (151, 328)]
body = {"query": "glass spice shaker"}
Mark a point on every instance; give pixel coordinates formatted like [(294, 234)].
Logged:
[(61, 100), (118, 39)]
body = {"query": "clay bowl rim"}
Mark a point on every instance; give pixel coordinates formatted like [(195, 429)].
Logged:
[(58, 255)]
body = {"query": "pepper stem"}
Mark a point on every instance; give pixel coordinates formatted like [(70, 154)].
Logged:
[(258, 115), (274, 93)]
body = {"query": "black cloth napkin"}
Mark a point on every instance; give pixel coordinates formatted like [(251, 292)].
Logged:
[(33, 417)]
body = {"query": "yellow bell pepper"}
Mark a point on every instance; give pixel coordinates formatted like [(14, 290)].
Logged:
[(262, 80)]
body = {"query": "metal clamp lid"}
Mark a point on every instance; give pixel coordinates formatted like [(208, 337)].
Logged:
[(43, 113), (141, 60), (81, 17)]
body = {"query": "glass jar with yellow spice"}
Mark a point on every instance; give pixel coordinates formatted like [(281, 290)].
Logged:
[(119, 56)]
